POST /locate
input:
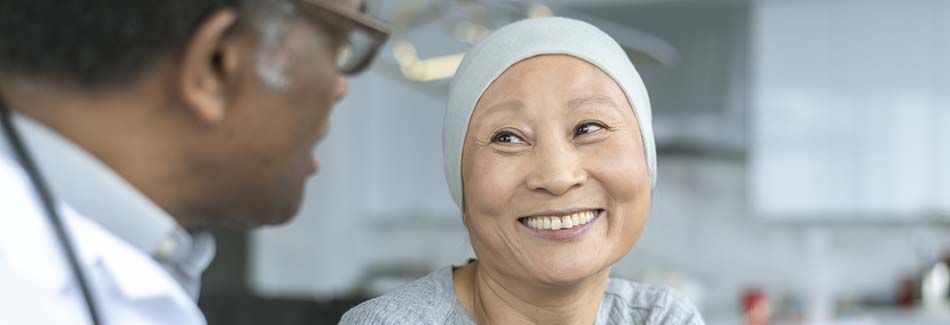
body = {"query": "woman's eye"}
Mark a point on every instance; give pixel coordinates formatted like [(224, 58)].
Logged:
[(506, 137), (588, 127)]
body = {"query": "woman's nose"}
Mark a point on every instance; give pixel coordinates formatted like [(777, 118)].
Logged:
[(556, 170)]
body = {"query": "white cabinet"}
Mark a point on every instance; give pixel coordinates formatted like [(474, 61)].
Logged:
[(850, 110)]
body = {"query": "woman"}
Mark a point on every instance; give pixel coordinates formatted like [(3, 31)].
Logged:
[(549, 152)]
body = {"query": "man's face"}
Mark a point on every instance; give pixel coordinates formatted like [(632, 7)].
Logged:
[(268, 137)]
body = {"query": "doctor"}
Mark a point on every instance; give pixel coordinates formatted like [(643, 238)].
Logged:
[(131, 125)]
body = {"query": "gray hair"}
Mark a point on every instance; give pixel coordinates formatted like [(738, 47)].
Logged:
[(271, 20)]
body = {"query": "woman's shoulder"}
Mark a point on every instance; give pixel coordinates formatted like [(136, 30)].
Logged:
[(427, 300), (628, 302)]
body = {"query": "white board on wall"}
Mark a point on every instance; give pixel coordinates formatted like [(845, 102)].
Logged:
[(850, 110)]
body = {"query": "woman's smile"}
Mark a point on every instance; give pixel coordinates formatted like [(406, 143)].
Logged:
[(561, 226)]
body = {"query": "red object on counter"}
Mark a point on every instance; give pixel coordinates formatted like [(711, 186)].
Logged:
[(907, 292), (756, 308)]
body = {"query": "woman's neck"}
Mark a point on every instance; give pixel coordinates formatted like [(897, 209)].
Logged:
[(492, 298)]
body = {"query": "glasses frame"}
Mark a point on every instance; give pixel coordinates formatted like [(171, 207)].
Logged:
[(377, 29)]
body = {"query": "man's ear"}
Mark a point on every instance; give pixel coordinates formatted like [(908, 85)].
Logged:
[(211, 57)]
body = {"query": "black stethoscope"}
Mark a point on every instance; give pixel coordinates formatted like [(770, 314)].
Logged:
[(24, 158)]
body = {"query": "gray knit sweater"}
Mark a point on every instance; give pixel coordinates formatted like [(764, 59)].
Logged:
[(431, 300)]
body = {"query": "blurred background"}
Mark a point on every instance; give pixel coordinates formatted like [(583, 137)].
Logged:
[(804, 164)]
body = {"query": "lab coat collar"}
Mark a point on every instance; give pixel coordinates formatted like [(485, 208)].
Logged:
[(94, 190), (99, 194), (113, 265), (134, 275)]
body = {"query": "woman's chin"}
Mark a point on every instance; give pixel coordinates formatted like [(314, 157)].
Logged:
[(568, 272)]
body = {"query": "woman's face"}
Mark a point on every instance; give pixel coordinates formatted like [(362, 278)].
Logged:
[(554, 143)]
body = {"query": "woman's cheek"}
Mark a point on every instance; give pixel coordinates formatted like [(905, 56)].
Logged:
[(620, 166), (493, 180)]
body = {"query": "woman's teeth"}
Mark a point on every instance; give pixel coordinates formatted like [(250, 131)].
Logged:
[(562, 222)]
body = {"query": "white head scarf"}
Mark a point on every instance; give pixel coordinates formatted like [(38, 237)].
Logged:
[(524, 39)]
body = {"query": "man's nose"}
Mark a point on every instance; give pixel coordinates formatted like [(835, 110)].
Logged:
[(342, 88)]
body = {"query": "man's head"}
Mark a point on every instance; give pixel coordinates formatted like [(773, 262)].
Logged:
[(237, 93)]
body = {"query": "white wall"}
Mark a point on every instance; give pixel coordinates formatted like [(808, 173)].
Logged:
[(850, 109)]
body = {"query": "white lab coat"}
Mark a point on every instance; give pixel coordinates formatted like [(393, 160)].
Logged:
[(38, 287)]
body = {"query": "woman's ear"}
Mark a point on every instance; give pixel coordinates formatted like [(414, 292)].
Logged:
[(209, 60)]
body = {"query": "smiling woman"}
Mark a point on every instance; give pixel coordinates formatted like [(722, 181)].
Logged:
[(549, 152)]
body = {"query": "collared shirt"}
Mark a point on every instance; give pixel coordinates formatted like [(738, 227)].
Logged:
[(98, 193), (40, 287)]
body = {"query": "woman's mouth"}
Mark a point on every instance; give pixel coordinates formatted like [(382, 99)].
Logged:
[(562, 226), (560, 222)]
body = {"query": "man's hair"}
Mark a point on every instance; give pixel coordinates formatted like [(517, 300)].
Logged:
[(97, 42)]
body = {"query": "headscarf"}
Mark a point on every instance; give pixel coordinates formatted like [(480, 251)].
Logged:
[(495, 53)]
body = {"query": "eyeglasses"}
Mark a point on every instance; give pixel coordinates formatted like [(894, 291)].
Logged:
[(364, 35)]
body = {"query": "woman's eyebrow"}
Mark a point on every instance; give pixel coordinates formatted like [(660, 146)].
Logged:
[(511, 104), (595, 99), (492, 112)]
